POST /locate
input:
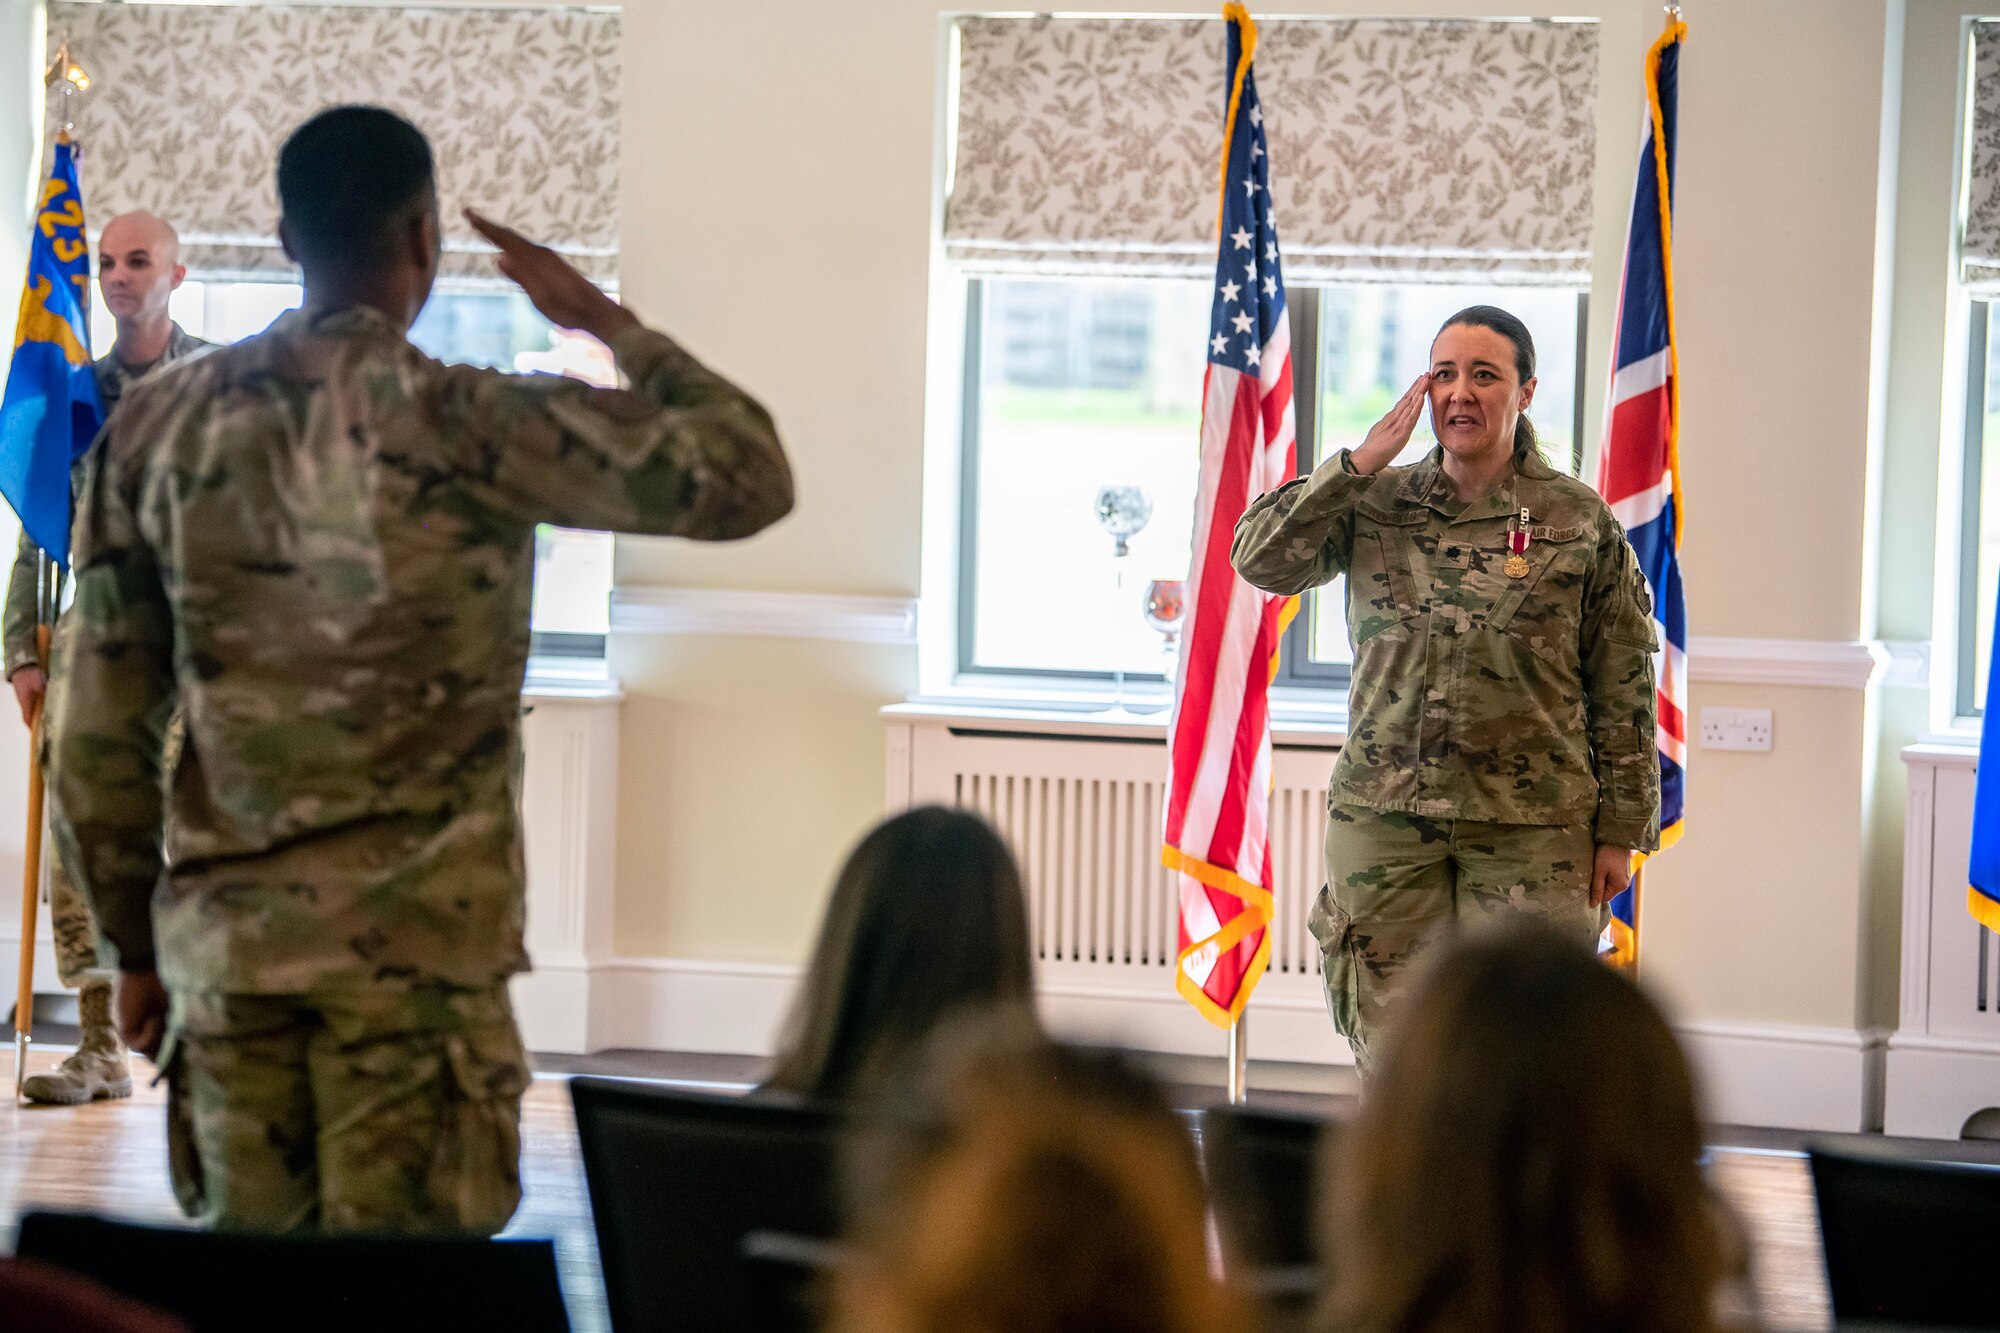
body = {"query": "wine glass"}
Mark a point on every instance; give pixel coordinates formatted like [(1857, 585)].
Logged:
[(1166, 609), (1122, 511)]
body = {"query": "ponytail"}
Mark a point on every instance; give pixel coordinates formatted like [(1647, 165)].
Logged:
[(1526, 446)]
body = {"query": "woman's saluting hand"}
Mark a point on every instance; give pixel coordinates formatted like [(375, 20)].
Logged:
[(1389, 436)]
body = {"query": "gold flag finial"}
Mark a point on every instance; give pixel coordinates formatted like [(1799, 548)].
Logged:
[(64, 70), (66, 75)]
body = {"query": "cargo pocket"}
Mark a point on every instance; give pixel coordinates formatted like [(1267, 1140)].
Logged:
[(476, 1179), (183, 1154), (1631, 777), (1333, 927)]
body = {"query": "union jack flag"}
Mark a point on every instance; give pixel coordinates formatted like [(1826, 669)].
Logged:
[(1639, 468), (1219, 750)]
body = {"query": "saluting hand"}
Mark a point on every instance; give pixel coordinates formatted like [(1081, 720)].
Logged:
[(565, 296), (1389, 436)]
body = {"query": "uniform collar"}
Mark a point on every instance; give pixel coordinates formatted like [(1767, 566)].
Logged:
[(1426, 484), (1421, 482), (179, 343)]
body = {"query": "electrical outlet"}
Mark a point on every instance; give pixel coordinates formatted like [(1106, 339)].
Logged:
[(1736, 729)]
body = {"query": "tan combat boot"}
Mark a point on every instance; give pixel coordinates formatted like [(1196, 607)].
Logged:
[(98, 1069)]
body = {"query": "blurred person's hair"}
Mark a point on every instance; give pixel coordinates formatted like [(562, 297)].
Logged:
[(348, 180), (1016, 1186), (927, 921), (1526, 1158)]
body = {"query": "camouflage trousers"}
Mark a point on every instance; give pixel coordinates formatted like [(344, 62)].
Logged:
[(355, 1111), (70, 918), (1397, 883), (75, 929)]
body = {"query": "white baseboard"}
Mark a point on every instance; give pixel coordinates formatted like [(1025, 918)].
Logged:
[(1782, 1076), (1287, 1019), (571, 1007), (679, 1004), (552, 1004), (1788, 1076), (1936, 1084), (10, 968)]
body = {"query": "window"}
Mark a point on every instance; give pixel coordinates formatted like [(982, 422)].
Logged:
[(1073, 385), (480, 327), (1973, 569), (1088, 262)]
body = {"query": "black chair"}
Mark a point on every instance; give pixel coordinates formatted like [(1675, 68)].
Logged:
[(221, 1282), (678, 1181), (1263, 1175), (791, 1278), (1908, 1241)]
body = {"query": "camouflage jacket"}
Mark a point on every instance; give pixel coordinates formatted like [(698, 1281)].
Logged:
[(17, 624), (1475, 695), (318, 545)]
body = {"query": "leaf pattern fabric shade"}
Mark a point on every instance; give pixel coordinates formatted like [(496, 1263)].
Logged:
[(190, 103), (1401, 150), (1979, 264)]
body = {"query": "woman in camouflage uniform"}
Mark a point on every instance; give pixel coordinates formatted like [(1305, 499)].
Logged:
[(1500, 750)]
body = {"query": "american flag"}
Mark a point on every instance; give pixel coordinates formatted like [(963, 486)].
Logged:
[(1639, 468), (1219, 750)]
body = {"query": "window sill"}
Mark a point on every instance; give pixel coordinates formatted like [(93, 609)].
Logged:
[(578, 679), (1084, 708)]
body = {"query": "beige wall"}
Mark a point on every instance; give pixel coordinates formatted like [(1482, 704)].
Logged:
[(1763, 914), (806, 134)]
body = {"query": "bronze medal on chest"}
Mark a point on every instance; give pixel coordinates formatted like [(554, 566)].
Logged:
[(1517, 548)]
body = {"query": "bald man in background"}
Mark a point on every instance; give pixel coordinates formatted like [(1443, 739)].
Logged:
[(138, 268)]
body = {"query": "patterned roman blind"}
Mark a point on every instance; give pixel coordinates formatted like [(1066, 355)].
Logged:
[(1980, 255), (1402, 151), (190, 104)]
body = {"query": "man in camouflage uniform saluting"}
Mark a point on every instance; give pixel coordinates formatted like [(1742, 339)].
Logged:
[(138, 269), (318, 544)]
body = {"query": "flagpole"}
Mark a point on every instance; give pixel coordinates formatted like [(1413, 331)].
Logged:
[(31, 862), (1638, 911), (1673, 19), (69, 78), (1239, 1061)]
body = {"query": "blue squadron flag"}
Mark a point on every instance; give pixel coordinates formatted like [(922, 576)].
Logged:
[(51, 411), (1983, 896)]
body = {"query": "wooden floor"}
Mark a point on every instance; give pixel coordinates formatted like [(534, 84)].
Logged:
[(110, 1157)]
